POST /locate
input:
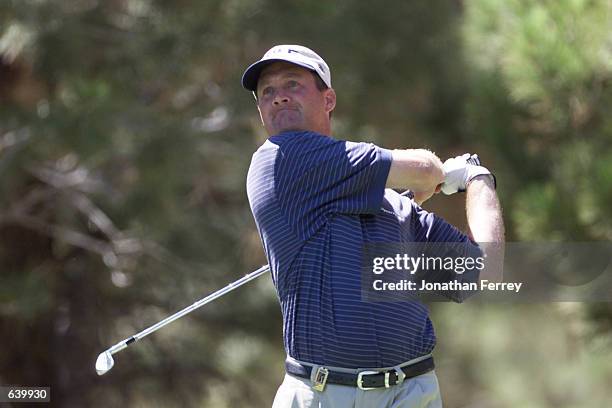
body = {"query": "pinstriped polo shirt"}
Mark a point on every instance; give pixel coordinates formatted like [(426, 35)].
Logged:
[(316, 202)]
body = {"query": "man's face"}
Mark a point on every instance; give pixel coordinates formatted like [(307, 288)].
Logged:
[(288, 99)]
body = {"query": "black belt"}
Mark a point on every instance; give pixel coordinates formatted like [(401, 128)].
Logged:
[(365, 379)]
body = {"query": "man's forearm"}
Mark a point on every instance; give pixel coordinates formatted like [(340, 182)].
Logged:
[(415, 169), (484, 215), (484, 212)]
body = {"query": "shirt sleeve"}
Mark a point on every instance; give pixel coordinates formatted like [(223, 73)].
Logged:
[(319, 177)]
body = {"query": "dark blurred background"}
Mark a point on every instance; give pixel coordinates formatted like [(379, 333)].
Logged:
[(125, 138)]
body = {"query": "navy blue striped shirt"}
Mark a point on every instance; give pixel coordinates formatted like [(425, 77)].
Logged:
[(317, 201)]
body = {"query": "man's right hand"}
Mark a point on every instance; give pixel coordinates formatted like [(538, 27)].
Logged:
[(421, 196), (460, 170), (415, 169)]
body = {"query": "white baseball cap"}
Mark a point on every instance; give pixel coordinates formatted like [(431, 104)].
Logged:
[(295, 54)]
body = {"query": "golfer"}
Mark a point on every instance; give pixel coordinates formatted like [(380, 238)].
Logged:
[(317, 201)]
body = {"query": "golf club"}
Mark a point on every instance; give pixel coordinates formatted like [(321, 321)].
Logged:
[(105, 360)]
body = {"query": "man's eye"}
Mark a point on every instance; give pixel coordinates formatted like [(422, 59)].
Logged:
[(266, 91), (292, 84)]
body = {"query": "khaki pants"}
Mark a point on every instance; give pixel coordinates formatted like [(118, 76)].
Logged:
[(417, 392)]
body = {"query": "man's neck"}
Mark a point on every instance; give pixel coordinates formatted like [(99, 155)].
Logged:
[(326, 131)]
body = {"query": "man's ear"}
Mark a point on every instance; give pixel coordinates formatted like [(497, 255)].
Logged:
[(330, 99)]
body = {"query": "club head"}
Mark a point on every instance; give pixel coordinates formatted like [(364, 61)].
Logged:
[(104, 362)]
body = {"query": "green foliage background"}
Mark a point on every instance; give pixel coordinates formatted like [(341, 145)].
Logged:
[(125, 138)]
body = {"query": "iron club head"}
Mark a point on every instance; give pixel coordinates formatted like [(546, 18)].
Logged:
[(104, 362)]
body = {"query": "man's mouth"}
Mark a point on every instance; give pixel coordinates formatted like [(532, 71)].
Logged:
[(284, 110), (285, 114)]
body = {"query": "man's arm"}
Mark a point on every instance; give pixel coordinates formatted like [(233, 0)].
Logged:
[(415, 169), (484, 216), (484, 213)]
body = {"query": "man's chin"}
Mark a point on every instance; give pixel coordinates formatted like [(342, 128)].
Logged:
[(288, 121)]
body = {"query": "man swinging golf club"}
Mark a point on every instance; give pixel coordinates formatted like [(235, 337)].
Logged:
[(317, 201)]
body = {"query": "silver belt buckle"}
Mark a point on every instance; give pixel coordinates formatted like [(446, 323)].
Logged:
[(401, 376), (360, 379), (320, 379)]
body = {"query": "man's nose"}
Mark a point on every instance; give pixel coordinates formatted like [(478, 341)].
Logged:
[(280, 98)]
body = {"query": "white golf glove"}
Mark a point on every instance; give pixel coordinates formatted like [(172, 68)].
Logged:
[(460, 171)]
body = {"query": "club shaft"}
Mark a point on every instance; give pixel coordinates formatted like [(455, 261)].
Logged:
[(246, 278)]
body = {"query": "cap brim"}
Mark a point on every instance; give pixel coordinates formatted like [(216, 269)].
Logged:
[(251, 74)]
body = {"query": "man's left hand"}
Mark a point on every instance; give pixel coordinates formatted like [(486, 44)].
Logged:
[(459, 171)]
